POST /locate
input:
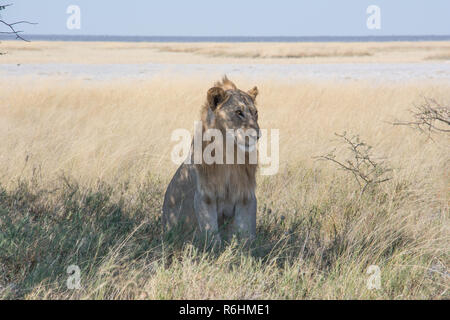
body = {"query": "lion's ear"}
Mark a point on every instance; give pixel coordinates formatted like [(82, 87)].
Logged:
[(215, 97), (253, 92)]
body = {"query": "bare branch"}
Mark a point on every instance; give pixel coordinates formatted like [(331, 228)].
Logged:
[(11, 26), (3, 7), (14, 31), (361, 164), (429, 117)]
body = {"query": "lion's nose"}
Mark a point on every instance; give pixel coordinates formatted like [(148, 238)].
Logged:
[(258, 133), (255, 130), (254, 133)]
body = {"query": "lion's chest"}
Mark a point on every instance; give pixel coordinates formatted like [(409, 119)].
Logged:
[(226, 199), (225, 209), (229, 196), (227, 187)]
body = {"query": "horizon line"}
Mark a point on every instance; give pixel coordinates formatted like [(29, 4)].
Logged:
[(75, 37)]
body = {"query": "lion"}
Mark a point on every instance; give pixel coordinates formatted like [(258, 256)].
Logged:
[(215, 197)]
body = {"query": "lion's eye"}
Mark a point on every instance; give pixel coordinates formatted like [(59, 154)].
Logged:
[(240, 113)]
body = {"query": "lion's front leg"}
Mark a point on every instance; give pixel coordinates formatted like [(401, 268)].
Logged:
[(206, 212), (244, 222)]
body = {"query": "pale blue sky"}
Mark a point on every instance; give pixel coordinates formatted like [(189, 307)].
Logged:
[(234, 17)]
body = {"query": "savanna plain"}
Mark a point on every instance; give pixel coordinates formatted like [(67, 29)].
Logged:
[(84, 165)]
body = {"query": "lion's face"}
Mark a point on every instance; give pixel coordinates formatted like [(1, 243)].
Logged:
[(235, 113)]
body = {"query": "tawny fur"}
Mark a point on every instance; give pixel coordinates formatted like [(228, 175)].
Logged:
[(205, 196)]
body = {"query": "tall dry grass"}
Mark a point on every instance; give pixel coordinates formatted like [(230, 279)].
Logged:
[(84, 167)]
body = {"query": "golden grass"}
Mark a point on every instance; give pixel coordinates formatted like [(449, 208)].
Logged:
[(264, 51), (443, 56), (118, 133), (104, 130), (147, 52)]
